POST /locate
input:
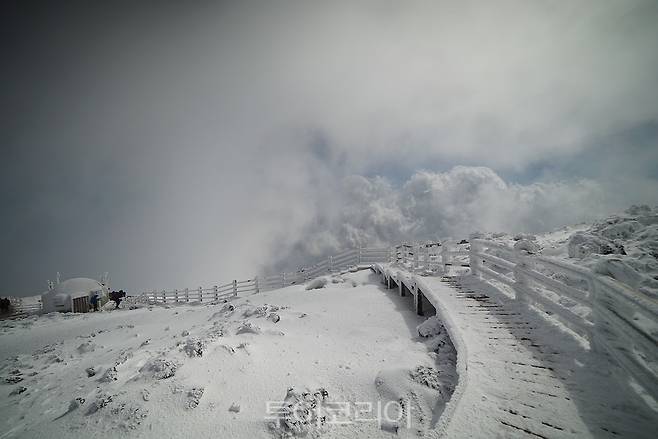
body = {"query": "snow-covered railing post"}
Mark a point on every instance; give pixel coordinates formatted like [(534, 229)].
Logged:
[(175, 296), (283, 279), (595, 316), (216, 291), (474, 258), (417, 257), (331, 264), (235, 287), (187, 294), (360, 253), (164, 296), (256, 286), (445, 256), (200, 294), (521, 281)]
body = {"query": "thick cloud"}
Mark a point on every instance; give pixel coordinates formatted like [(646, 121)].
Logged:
[(185, 144), (453, 204)]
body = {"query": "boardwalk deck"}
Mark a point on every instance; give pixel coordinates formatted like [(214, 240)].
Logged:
[(519, 375)]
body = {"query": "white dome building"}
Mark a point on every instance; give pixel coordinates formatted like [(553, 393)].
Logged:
[(73, 295)]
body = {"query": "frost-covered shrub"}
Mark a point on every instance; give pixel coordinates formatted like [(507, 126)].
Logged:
[(430, 327), (109, 375), (427, 376), (528, 246), (317, 283), (160, 368), (101, 401), (583, 244), (258, 311), (194, 396), (621, 230), (301, 415), (86, 347), (193, 347), (248, 328)]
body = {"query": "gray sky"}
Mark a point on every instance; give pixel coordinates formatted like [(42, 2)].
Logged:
[(185, 145)]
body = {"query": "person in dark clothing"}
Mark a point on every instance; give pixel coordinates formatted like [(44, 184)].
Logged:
[(116, 297), (94, 301)]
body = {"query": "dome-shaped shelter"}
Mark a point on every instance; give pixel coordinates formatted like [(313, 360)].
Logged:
[(73, 295)]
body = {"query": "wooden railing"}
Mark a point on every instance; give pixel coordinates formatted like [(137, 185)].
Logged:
[(363, 256), (614, 318), (342, 261), (200, 294)]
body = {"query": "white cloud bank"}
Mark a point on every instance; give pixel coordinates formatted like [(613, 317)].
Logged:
[(435, 205)]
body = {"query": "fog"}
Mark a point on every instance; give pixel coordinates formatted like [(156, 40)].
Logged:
[(183, 145)]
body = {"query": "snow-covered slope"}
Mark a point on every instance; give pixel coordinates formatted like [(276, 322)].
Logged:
[(623, 246), (210, 370)]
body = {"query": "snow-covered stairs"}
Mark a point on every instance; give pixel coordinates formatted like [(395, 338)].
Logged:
[(519, 375)]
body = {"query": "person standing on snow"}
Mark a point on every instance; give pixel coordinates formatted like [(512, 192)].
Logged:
[(94, 301)]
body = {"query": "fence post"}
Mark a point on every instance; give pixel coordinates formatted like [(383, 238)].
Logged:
[(235, 287), (164, 296), (520, 279), (360, 251), (416, 250), (473, 259), (187, 295), (176, 295), (444, 257), (200, 294), (216, 291), (256, 285), (331, 264), (598, 330), (283, 279)]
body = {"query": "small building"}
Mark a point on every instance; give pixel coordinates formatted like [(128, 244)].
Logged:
[(73, 295)]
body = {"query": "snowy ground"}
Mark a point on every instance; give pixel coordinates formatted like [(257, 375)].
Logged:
[(209, 370), (623, 246)]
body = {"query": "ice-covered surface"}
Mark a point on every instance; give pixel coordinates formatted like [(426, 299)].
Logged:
[(209, 370), (624, 246), (521, 375)]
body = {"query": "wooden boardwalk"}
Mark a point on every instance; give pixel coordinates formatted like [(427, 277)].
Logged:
[(518, 375)]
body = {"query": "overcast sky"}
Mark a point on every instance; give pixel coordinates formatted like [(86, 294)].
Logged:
[(178, 145)]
